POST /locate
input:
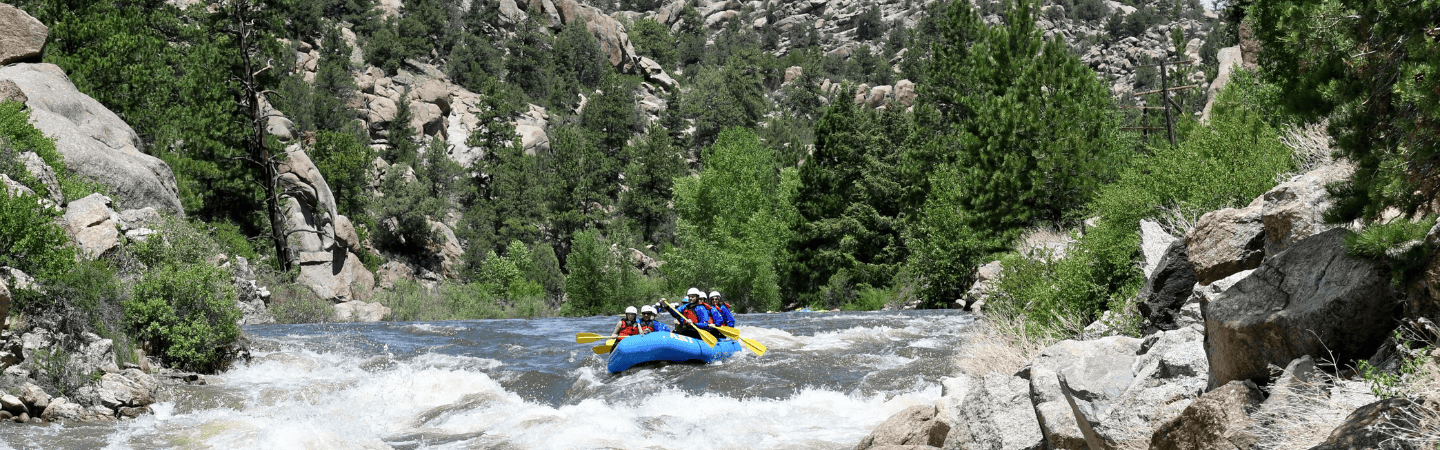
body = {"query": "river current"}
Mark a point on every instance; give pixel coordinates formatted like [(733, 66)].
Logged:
[(826, 381)]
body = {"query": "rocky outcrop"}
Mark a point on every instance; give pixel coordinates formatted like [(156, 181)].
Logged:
[(250, 295), (4, 305), (358, 311), (986, 277), (1216, 421), (95, 143), (92, 225), (1229, 61), (1165, 375), (327, 266), (1154, 243), (1226, 241), (1311, 299), (10, 92), (1054, 412), (916, 425), (996, 415), (44, 175), (1168, 289), (21, 37), (1294, 210)]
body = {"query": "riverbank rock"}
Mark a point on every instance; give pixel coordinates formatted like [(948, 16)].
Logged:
[(358, 311), (915, 426), (996, 414), (1384, 424), (1226, 241), (986, 277), (1217, 420), (1154, 244), (1057, 418), (95, 142), (319, 234), (22, 37), (91, 224), (1168, 373), (4, 307), (1311, 299), (1294, 210), (1168, 288)]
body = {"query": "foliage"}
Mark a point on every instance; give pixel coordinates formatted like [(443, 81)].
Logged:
[(600, 282), (408, 206), (1398, 242), (344, 159), (531, 64), (30, 240), (722, 98), (1023, 133), (734, 223), (1386, 384), (410, 301), (869, 24), (295, 303), (611, 115), (1370, 67), (653, 165), (187, 313), (653, 39), (579, 63)]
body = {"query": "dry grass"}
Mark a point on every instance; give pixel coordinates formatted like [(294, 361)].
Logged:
[(1310, 146), (988, 350), (1312, 410), (1044, 243)]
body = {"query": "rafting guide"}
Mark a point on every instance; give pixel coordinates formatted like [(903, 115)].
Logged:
[(698, 320)]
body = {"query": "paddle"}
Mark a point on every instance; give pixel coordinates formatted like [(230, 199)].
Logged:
[(704, 335), (750, 344), (581, 338), (605, 348)]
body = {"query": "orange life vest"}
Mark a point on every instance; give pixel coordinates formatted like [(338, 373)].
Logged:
[(628, 328)]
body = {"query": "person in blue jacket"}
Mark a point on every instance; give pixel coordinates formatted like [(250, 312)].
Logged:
[(704, 315), (721, 309), (648, 324)]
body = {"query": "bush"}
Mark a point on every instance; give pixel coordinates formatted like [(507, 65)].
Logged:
[(410, 301), (1398, 242), (294, 303), (187, 314), (30, 240)]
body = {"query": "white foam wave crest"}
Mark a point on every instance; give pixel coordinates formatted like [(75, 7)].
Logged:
[(327, 401)]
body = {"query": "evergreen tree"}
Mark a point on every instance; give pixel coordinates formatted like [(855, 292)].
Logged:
[(653, 39), (576, 192), (653, 165), (530, 64), (611, 115), (579, 63), (334, 87)]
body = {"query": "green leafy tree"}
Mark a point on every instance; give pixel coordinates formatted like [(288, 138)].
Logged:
[(734, 222), (599, 282), (345, 162), (187, 313), (732, 96)]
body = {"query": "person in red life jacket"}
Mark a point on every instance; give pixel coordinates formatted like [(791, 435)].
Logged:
[(648, 324), (721, 314), (628, 325), (692, 301)]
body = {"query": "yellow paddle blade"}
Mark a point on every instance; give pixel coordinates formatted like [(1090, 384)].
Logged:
[(605, 348), (728, 331), (582, 338), (706, 336), (756, 347)]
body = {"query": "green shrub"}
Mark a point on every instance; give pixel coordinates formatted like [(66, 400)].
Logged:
[(410, 301), (190, 242), (295, 303), (187, 313), (30, 240), (1398, 242), (21, 136)]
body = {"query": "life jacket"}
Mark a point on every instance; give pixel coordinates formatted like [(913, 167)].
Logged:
[(653, 326), (726, 315), (628, 328), (702, 311), (687, 310)]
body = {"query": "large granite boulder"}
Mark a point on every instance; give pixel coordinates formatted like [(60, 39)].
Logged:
[(358, 311), (1154, 244), (1226, 241), (327, 266), (92, 225), (21, 37), (94, 142), (1311, 299), (1166, 374), (916, 425), (1216, 421), (1168, 288), (1294, 209), (996, 414), (1053, 410)]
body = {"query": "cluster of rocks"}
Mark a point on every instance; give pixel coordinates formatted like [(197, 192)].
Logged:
[(1246, 292)]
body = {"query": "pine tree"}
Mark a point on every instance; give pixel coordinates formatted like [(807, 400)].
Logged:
[(650, 175)]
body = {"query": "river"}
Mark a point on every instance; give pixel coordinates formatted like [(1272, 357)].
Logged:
[(827, 380)]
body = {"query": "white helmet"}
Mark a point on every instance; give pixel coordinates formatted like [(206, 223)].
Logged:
[(647, 309), (694, 291), (714, 294), (630, 310)]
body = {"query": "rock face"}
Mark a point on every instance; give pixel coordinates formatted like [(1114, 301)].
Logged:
[(1215, 421), (1054, 412), (327, 266), (21, 37), (91, 223), (1293, 210), (614, 42), (916, 425), (1167, 373), (95, 142), (4, 305), (996, 415), (1229, 59), (1168, 288), (1311, 299), (1226, 241)]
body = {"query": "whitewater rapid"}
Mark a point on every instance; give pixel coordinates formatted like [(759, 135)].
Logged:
[(826, 381)]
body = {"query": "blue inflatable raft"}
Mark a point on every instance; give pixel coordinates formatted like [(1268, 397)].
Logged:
[(664, 346)]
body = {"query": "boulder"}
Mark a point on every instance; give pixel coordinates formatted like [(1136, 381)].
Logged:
[(91, 224), (12, 404), (131, 388), (4, 305), (532, 138), (445, 247), (996, 414), (905, 93), (392, 272), (425, 118), (44, 174), (614, 42), (1052, 408), (1229, 58), (1294, 210), (1226, 241), (10, 92), (1168, 373), (22, 37), (35, 397), (916, 425), (878, 96), (140, 218), (511, 13), (791, 73), (1168, 289), (358, 311), (95, 143), (1310, 299), (1154, 243), (14, 188), (327, 266), (1384, 424), (986, 277), (1216, 421)]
